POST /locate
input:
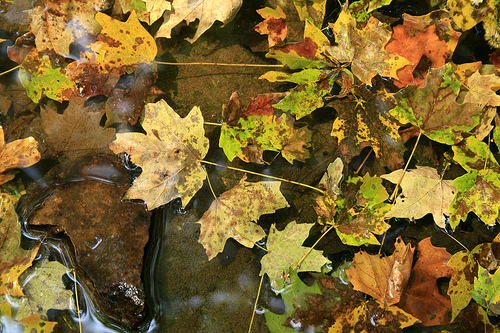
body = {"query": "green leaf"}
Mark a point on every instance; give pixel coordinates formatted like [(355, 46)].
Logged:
[(473, 154), (285, 250), (487, 290), (294, 293), (361, 9), (47, 80)]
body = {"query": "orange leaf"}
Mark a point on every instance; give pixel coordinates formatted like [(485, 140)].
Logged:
[(422, 299), (382, 278)]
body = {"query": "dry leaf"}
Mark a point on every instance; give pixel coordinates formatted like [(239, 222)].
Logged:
[(382, 278), (169, 155), (233, 215)]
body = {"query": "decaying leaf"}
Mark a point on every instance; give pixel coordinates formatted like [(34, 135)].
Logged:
[(423, 192), (382, 278), (20, 153), (169, 155), (422, 298), (274, 24), (487, 290), (234, 213), (14, 259), (207, 11), (285, 250), (77, 128)]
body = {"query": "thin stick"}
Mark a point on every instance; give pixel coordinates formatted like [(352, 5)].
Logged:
[(364, 161), (311, 248), (393, 195), (77, 303), (215, 64), (255, 305), (262, 175), (10, 70)]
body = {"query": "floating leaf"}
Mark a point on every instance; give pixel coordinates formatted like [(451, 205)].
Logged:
[(382, 278), (422, 298), (274, 25), (169, 155), (423, 192), (487, 290), (285, 250), (234, 213), (207, 11), (20, 153)]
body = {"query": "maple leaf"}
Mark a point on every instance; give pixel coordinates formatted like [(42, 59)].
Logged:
[(434, 108), (58, 24), (422, 298), (361, 9), (487, 290), (473, 154), (428, 38), (121, 43), (32, 324), (274, 24), (465, 267), (466, 14), (234, 213), (423, 192), (41, 77), (482, 89), (20, 153), (284, 250), (365, 48), (169, 155), (207, 11), (247, 134), (148, 11), (364, 122), (77, 128), (382, 278), (14, 259)]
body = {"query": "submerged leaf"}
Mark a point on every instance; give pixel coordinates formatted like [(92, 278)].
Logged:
[(234, 213), (169, 155)]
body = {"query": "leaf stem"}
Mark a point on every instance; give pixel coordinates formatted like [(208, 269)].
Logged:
[(255, 305), (213, 124), (76, 300), (10, 70), (394, 193), (210, 185), (312, 248), (262, 175), (215, 64)]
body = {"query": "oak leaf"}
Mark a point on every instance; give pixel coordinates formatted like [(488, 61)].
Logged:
[(364, 48), (169, 155), (382, 278), (422, 298), (20, 153), (207, 11), (428, 38), (234, 213), (284, 250), (423, 192)]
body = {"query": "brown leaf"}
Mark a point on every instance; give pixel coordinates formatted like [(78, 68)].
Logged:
[(274, 25), (422, 298), (382, 278)]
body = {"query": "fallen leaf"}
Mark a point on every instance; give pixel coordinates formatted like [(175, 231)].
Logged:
[(422, 298), (466, 14), (20, 153), (284, 250), (274, 25), (35, 324), (363, 121), (472, 154), (486, 290), (428, 41), (482, 89), (14, 259), (423, 192), (45, 290), (434, 108), (169, 155), (247, 134), (361, 9), (58, 24), (382, 278), (364, 48), (234, 213), (77, 128), (207, 11), (148, 11)]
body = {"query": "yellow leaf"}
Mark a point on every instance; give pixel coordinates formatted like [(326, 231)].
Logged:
[(169, 155)]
